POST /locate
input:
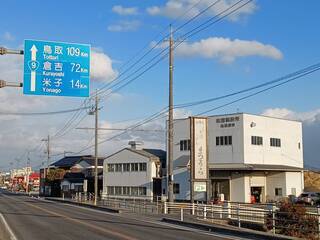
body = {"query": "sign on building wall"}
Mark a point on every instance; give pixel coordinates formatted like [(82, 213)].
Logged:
[(200, 186), (200, 154)]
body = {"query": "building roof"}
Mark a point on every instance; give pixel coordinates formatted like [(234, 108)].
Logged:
[(91, 161), (243, 113), (69, 161), (253, 167), (73, 177), (150, 153)]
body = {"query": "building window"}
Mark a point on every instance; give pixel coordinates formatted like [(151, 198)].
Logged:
[(118, 167), (255, 140), (110, 167), (223, 140), (126, 190), (65, 188), (275, 142), (118, 190), (185, 145), (278, 192), (134, 167), (134, 191), (176, 188), (142, 167), (299, 145), (142, 191), (126, 167), (111, 190)]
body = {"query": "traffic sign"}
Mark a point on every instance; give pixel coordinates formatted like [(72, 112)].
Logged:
[(56, 68)]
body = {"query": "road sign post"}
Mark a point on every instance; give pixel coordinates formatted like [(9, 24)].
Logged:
[(56, 69)]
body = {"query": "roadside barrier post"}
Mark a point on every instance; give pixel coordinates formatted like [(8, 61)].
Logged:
[(181, 214), (165, 208), (193, 208), (205, 212), (238, 214), (274, 219)]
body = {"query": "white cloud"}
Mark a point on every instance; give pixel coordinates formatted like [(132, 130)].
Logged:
[(175, 8), (25, 132), (311, 131), (8, 36), (101, 66), (125, 11), (226, 50), (125, 26)]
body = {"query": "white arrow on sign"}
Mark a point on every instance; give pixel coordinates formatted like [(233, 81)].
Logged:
[(34, 51)]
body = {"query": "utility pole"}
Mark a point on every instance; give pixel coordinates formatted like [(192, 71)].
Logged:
[(170, 122), (28, 173), (96, 110), (48, 156)]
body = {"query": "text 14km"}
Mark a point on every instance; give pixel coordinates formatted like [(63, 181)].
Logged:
[(78, 84)]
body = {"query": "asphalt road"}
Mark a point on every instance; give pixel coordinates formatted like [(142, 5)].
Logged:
[(33, 219)]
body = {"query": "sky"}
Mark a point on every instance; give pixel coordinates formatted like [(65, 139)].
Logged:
[(260, 42)]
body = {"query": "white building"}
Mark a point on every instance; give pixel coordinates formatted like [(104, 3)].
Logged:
[(249, 156), (133, 173)]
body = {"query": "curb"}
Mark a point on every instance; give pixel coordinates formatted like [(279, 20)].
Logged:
[(105, 209), (230, 231)]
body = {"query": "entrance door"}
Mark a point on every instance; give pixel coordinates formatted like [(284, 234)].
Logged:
[(256, 194), (220, 186), (156, 188)]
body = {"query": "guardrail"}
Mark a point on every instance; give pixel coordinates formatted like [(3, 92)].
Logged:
[(268, 218)]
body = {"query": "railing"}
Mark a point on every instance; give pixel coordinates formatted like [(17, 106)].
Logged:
[(134, 205), (266, 218)]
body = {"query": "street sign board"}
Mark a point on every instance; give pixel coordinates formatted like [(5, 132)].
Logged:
[(200, 186), (56, 68)]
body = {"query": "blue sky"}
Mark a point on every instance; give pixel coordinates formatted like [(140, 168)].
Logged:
[(290, 27)]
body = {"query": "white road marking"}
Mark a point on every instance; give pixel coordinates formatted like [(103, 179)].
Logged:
[(12, 236)]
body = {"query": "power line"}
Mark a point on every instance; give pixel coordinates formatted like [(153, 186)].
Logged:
[(195, 103), (261, 91), (41, 113)]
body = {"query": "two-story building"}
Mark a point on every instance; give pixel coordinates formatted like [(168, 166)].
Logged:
[(249, 158), (134, 173)]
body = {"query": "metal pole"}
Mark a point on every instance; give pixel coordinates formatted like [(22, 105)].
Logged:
[(96, 150), (170, 123), (48, 153)]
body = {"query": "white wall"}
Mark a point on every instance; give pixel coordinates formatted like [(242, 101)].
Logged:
[(225, 154), (294, 180), (237, 188), (276, 180), (181, 175), (290, 133), (130, 179)]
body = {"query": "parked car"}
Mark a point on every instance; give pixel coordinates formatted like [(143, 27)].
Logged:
[(311, 198)]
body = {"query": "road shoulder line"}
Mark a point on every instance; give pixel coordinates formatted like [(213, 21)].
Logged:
[(8, 228)]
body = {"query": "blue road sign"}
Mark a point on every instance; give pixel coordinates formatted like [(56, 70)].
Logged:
[(56, 68)]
